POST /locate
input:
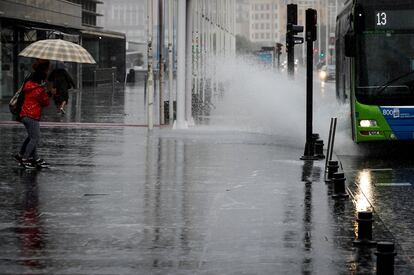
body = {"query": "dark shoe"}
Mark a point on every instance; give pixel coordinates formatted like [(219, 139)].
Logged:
[(41, 163), (18, 158), (28, 164)]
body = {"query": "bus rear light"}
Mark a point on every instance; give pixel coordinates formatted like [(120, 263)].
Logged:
[(368, 123)]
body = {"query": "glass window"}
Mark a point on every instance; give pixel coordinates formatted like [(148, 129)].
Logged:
[(386, 59)]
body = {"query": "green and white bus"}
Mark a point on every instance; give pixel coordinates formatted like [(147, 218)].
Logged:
[(375, 68)]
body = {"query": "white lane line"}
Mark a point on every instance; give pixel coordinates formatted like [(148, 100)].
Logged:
[(392, 184)]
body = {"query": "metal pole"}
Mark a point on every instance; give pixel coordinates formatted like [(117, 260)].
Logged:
[(150, 79), (195, 46), (309, 146), (233, 29), (309, 98), (319, 31), (292, 18), (333, 139), (223, 28), (1, 74), (217, 45), (206, 56), (181, 62), (113, 82), (161, 58), (94, 80), (189, 63), (329, 146), (170, 59), (204, 50), (196, 52), (207, 53), (328, 31), (80, 67)]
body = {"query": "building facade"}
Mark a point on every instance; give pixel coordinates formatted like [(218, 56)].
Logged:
[(264, 23), (266, 17), (24, 22), (127, 16), (242, 18)]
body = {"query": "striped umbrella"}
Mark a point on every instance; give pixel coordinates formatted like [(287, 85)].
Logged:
[(57, 49)]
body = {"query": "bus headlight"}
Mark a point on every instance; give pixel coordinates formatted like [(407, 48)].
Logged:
[(322, 74), (368, 123)]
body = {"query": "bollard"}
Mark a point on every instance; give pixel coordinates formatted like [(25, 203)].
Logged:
[(310, 148), (339, 186), (315, 137), (319, 149), (385, 258), (332, 169), (365, 221)]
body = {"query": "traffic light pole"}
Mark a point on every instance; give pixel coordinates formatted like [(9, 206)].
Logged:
[(309, 153), (278, 53), (309, 146), (292, 19), (290, 58)]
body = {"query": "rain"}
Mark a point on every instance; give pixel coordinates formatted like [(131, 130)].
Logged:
[(198, 137)]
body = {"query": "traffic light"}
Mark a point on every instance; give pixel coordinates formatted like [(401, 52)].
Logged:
[(279, 48), (322, 54), (292, 14), (293, 30), (311, 21)]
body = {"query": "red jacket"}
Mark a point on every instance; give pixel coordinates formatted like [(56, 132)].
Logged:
[(35, 98)]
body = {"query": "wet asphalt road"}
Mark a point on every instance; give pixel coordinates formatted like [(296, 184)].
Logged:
[(121, 200)]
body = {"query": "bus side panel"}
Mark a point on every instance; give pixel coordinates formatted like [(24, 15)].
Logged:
[(401, 121)]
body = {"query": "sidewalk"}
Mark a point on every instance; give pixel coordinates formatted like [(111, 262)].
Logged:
[(121, 200)]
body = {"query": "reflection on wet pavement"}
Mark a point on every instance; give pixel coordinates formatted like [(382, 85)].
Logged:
[(380, 179), (123, 200)]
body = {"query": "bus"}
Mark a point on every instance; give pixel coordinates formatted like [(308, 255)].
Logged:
[(375, 68)]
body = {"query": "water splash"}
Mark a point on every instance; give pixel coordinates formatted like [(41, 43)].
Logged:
[(261, 100)]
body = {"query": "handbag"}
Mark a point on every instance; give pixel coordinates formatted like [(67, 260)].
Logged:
[(16, 102)]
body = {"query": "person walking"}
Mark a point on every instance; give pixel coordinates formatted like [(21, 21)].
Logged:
[(36, 97), (62, 82)]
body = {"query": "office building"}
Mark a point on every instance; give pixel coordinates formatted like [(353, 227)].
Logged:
[(24, 22)]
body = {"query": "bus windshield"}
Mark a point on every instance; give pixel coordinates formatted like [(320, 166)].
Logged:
[(385, 63)]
